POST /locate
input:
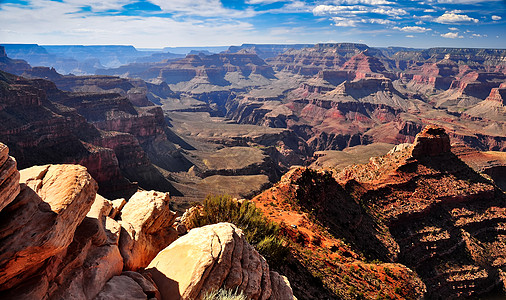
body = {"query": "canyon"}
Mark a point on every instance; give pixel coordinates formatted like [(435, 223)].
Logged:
[(383, 167)]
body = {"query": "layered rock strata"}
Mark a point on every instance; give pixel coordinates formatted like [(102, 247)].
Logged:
[(441, 214)]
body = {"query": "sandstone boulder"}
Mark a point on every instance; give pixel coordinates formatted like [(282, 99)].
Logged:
[(146, 283), (41, 221), (9, 177), (121, 287), (432, 141), (146, 222), (91, 259), (117, 206), (212, 257)]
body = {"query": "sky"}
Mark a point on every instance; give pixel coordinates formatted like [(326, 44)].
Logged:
[(173, 23)]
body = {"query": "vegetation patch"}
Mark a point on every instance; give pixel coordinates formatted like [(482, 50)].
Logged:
[(224, 295), (263, 234)]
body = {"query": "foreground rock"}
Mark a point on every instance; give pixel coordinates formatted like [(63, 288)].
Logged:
[(41, 221), (121, 287), (212, 257), (9, 177), (146, 222), (432, 141), (58, 241)]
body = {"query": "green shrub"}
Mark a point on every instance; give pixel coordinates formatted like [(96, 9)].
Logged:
[(258, 231), (224, 295)]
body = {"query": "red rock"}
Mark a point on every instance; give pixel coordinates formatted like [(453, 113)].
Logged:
[(121, 287), (62, 197), (9, 177), (146, 222), (432, 141), (212, 257)]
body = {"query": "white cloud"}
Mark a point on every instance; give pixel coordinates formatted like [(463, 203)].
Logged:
[(416, 29), (58, 23), (451, 35), (368, 2), (353, 22), (326, 10), (393, 12), (263, 1), (342, 22), (453, 29), (429, 10), (292, 7), (450, 17), (410, 36), (202, 8), (378, 21), (496, 18)]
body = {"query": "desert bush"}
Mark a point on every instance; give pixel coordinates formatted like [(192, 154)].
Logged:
[(224, 295), (258, 231), (314, 187)]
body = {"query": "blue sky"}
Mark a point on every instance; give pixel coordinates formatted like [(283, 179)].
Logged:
[(161, 23)]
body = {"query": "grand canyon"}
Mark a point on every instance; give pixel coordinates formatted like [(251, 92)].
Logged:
[(253, 149), (382, 171)]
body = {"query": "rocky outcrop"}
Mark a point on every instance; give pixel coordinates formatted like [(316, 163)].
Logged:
[(9, 177), (121, 287), (7, 64), (311, 60), (498, 94), (91, 259), (431, 141), (493, 108), (441, 214), (41, 221), (365, 64), (491, 163), (59, 240), (146, 222), (212, 257)]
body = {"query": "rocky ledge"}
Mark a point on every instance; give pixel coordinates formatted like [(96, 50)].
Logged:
[(432, 141), (61, 240)]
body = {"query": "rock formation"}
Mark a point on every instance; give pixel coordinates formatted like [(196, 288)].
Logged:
[(12, 65), (9, 177), (213, 257), (208, 69), (146, 221), (55, 199), (309, 61), (60, 241), (431, 141), (441, 214)]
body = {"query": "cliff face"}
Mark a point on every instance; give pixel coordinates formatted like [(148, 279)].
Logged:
[(7, 64), (45, 129), (419, 206), (210, 69), (440, 213), (309, 61), (39, 132)]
